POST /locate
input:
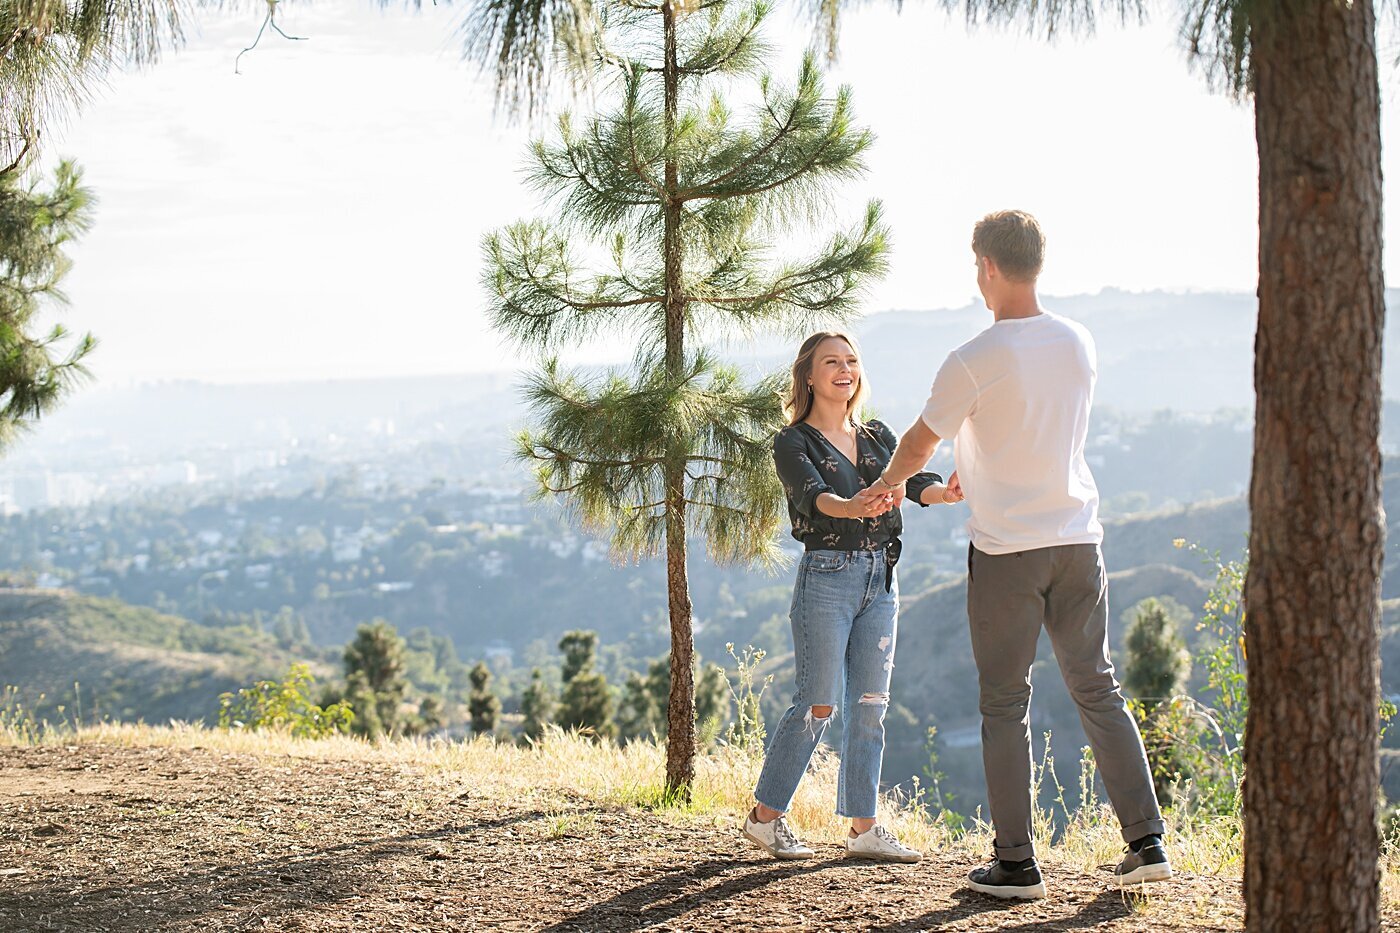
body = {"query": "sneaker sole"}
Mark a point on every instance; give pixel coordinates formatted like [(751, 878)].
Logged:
[(877, 857), (1031, 892), (788, 857), (1143, 874)]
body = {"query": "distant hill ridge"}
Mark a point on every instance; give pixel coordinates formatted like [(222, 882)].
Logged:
[(1184, 351), (129, 662)]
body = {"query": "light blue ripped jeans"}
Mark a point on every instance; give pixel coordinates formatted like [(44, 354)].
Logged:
[(843, 632)]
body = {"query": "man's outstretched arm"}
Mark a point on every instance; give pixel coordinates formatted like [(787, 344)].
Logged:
[(915, 449)]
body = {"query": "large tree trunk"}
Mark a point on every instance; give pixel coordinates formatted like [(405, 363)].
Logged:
[(1317, 532), (680, 710)]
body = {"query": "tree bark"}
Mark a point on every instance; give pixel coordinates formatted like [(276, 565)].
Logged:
[(1317, 530), (680, 709)]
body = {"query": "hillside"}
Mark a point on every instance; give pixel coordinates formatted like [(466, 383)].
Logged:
[(935, 683), (141, 830), (104, 659)]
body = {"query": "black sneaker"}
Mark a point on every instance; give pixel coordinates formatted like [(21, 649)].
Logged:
[(1004, 879), (1144, 860)]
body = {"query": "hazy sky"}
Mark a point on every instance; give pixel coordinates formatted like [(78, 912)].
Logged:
[(321, 214)]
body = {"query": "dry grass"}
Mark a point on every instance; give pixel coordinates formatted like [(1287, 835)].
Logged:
[(572, 765), (566, 767), (576, 786)]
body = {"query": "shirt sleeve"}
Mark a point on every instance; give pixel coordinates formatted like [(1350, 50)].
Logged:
[(951, 399), (800, 478), (915, 485)]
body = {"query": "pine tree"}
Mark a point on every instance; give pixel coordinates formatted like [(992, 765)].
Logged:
[(1157, 669), (637, 712), (374, 669), (430, 714), (54, 55), (686, 198), (36, 225), (483, 705), (536, 705), (642, 712), (1158, 663), (586, 702), (580, 650)]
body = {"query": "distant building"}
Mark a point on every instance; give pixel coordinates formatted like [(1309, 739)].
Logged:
[(498, 651), (179, 473), (492, 563)]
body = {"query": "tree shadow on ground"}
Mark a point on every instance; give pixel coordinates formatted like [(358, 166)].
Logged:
[(1107, 906), (248, 893), (676, 894)]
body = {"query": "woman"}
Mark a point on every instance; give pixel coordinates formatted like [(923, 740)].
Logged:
[(845, 603)]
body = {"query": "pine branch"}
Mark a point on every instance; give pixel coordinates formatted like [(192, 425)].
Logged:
[(530, 275)]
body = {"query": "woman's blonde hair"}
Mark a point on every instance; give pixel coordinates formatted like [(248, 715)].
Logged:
[(797, 403)]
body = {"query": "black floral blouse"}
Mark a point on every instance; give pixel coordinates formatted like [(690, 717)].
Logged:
[(809, 465)]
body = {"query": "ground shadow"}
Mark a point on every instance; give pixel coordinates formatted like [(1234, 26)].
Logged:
[(1107, 906), (675, 894), (266, 888)]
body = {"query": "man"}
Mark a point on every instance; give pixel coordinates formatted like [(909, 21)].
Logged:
[(1016, 398)]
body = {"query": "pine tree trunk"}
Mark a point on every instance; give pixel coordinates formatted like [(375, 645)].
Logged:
[(1317, 531), (680, 710)]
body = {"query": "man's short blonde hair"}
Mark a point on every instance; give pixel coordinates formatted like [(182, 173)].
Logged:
[(1013, 240)]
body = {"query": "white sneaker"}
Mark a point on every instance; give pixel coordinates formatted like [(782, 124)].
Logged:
[(776, 838), (879, 843)]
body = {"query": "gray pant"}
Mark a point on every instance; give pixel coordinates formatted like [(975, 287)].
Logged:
[(1009, 598)]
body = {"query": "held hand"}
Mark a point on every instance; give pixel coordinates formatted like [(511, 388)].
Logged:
[(896, 493), (897, 496), (954, 491), (871, 501)]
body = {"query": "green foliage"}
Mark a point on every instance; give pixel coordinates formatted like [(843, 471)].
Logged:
[(647, 698), (36, 225), (374, 678), (586, 703), (1197, 744), (55, 53), (681, 432), (284, 706), (1158, 663), (1222, 621), (580, 650), (520, 40), (748, 731), (931, 798), (686, 200), (1155, 678), (483, 706), (22, 724), (537, 706)]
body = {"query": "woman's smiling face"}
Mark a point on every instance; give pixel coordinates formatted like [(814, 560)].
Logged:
[(835, 371)]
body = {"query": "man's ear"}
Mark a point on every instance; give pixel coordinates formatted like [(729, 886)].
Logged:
[(989, 267)]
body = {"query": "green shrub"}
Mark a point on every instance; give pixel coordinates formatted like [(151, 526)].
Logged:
[(284, 707)]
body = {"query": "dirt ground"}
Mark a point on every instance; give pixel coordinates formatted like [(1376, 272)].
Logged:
[(98, 838)]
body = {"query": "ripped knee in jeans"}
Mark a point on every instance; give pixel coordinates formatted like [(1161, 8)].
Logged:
[(874, 699), (818, 717)]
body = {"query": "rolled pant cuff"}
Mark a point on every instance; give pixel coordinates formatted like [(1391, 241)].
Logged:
[(782, 810), (1014, 853), (1136, 831)]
